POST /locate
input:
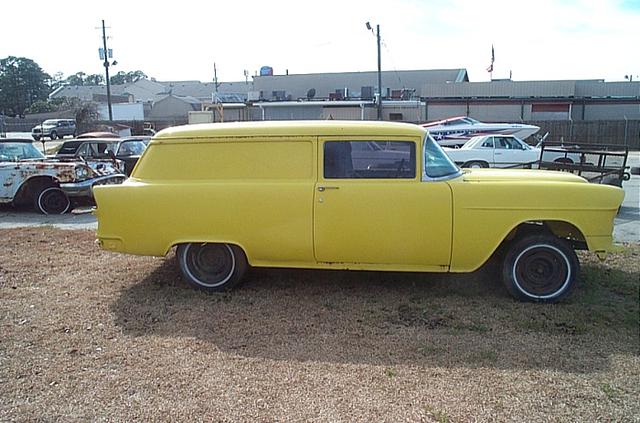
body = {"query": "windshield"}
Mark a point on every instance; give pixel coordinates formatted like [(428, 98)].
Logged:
[(436, 163), (131, 148), (50, 122), (12, 151)]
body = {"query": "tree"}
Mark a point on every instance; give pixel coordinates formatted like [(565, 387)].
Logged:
[(86, 114), (55, 105), (22, 83), (56, 81), (94, 79), (77, 79), (127, 77)]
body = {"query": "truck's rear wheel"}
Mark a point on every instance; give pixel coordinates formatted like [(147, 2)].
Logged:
[(212, 267), (540, 268)]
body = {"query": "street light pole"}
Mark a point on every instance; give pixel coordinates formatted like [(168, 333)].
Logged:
[(106, 70)]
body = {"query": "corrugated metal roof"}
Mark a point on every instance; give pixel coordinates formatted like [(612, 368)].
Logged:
[(297, 85), (495, 89), (204, 90)]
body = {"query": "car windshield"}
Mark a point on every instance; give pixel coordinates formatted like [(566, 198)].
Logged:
[(131, 148), (436, 163), (50, 122), (12, 151)]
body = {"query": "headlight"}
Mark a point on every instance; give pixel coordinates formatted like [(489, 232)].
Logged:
[(83, 172)]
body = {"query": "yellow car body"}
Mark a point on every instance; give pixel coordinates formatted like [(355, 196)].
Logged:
[(264, 187)]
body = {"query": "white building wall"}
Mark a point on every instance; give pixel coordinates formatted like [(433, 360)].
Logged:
[(122, 111)]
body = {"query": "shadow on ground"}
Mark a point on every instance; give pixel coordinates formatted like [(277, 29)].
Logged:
[(432, 320)]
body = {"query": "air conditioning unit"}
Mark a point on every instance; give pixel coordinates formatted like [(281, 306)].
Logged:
[(279, 95), (366, 93)]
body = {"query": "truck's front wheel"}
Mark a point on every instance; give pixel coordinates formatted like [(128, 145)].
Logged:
[(540, 268), (210, 266)]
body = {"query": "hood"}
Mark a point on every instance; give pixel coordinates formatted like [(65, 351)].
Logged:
[(524, 175)]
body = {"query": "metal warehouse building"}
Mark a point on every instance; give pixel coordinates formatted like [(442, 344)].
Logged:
[(573, 110)]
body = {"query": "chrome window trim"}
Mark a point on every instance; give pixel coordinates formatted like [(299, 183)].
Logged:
[(427, 178)]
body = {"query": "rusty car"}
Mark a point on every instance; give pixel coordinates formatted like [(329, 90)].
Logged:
[(123, 153), (50, 186)]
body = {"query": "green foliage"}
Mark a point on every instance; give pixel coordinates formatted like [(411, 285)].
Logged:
[(94, 79), (81, 79), (127, 77), (22, 83), (76, 79), (55, 105), (86, 114)]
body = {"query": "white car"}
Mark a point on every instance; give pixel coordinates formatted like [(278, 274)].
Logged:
[(493, 151)]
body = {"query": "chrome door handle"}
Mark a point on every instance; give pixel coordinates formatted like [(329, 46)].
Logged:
[(323, 188)]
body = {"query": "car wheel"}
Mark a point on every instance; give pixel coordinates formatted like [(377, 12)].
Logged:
[(52, 200), (540, 268), (36, 137), (476, 165), (53, 135), (212, 267)]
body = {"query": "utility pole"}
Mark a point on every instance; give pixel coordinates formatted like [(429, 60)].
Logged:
[(215, 78), (377, 34), (106, 70), (379, 75)]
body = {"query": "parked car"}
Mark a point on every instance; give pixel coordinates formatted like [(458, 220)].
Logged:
[(124, 152), (288, 194), (54, 129), (492, 151), (102, 134), (27, 177)]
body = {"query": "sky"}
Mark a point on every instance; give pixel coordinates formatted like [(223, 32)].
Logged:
[(532, 40)]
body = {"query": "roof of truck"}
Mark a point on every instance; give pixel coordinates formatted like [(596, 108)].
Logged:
[(290, 128)]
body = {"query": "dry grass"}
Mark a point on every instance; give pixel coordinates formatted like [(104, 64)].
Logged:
[(88, 335)]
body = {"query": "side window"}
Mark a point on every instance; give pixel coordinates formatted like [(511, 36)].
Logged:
[(503, 143), (83, 150), (369, 160), (513, 144), (488, 143)]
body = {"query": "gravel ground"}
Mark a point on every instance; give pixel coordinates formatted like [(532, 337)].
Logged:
[(94, 336)]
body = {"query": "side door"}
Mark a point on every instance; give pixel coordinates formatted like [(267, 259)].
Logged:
[(10, 171), (371, 206), (487, 150), (509, 151), (9, 180)]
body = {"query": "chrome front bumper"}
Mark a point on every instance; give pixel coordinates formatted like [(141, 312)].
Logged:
[(83, 188)]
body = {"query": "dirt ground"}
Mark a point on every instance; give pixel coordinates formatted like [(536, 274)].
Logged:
[(94, 336)]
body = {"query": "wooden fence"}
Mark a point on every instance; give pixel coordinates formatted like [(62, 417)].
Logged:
[(618, 132)]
